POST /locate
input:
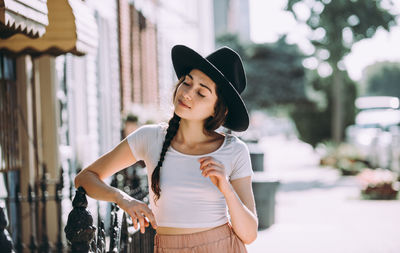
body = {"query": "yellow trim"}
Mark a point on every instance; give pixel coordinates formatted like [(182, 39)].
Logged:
[(72, 29), (25, 16)]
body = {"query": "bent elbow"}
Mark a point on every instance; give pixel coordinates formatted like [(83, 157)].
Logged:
[(79, 178), (77, 181), (250, 239)]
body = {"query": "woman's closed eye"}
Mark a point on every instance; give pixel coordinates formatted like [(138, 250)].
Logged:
[(187, 84)]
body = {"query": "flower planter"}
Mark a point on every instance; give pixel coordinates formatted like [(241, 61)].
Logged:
[(379, 184), (384, 191)]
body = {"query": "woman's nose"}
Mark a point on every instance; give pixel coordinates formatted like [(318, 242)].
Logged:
[(187, 95)]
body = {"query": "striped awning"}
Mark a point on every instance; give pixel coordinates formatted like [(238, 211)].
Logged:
[(72, 29), (28, 17)]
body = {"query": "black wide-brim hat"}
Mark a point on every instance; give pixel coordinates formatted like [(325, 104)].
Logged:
[(224, 66)]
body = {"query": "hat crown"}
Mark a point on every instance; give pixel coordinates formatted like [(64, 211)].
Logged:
[(228, 62)]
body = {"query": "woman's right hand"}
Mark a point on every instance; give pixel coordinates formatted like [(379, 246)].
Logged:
[(138, 210), (92, 179)]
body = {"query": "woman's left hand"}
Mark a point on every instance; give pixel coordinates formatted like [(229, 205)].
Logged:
[(215, 171)]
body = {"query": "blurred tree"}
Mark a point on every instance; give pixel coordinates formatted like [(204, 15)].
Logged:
[(231, 40), (313, 118), (336, 26), (275, 73), (382, 79)]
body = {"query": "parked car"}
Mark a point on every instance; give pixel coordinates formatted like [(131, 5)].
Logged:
[(376, 130)]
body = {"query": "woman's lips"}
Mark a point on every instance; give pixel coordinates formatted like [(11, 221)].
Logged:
[(182, 104)]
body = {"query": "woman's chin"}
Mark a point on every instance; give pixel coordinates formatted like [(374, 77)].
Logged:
[(179, 112)]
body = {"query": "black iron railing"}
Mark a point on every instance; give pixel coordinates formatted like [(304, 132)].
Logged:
[(84, 236), (81, 232), (38, 199)]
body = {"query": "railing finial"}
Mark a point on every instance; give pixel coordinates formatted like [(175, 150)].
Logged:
[(80, 230)]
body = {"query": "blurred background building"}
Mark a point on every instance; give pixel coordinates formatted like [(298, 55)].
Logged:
[(232, 16), (70, 72)]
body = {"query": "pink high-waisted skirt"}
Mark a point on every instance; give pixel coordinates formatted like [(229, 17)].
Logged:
[(221, 239)]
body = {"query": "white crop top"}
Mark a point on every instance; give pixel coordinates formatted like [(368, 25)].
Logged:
[(188, 200)]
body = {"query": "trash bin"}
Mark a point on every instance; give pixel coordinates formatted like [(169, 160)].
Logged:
[(257, 161), (256, 156), (264, 190)]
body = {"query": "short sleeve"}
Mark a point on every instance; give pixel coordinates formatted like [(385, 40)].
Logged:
[(241, 166), (139, 140)]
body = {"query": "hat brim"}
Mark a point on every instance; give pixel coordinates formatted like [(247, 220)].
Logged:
[(185, 59)]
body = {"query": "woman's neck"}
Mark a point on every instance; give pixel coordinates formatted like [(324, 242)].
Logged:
[(191, 133)]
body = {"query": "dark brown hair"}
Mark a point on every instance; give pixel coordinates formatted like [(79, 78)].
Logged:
[(210, 124)]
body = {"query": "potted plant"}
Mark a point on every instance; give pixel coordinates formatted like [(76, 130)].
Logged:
[(327, 151), (345, 157), (378, 184)]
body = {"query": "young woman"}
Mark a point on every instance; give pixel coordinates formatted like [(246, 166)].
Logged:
[(196, 173)]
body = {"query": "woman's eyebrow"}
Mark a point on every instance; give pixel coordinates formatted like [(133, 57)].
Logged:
[(203, 85)]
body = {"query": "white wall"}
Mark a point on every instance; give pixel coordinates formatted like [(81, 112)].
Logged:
[(188, 22), (94, 94)]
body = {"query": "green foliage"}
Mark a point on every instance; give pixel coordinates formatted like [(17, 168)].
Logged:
[(275, 73), (344, 22), (312, 124), (232, 41), (382, 79), (278, 72), (131, 118), (313, 121), (276, 77), (336, 25)]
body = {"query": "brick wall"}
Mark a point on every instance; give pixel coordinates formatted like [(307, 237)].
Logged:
[(124, 22), (138, 54), (150, 86)]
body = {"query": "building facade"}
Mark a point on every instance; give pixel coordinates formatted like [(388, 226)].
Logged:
[(70, 70), (232, 16), (65, 112), (162, 24)]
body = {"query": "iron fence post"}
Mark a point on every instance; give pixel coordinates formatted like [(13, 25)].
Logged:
[(59, 197), (32, 200), (19, 246), (45, 246)]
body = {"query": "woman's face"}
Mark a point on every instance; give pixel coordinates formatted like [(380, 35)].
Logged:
[(195, 97)]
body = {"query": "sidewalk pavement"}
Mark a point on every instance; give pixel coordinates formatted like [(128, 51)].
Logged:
[(317, 210)]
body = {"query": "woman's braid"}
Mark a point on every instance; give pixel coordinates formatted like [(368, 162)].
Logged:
[(172, 129)]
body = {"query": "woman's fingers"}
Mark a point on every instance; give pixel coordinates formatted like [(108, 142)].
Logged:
[(135, 222), (146, 222), (207, 164), (212, 172), (141, 222), (150, 216), (140, 214), (208, 161), (143, 218), (208, 169)]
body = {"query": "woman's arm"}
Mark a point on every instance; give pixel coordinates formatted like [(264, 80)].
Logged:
[(242, 209), (239, 198), (91, 179)]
